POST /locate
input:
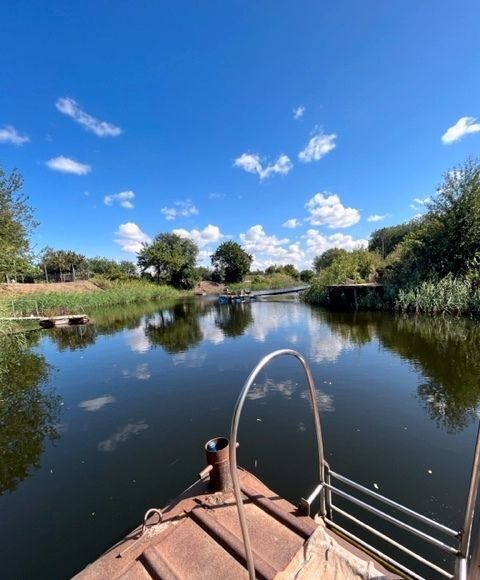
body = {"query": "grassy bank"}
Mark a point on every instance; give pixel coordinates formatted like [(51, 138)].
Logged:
[(108, 294), (265, 282)]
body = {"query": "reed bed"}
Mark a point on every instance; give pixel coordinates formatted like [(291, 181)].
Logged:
[(53, 303), (448, 295)]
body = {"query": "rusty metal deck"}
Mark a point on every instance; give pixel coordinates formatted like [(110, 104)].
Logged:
[(200, 539)]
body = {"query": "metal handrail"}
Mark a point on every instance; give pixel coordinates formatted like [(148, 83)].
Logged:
[(233, 441), (325, 488)]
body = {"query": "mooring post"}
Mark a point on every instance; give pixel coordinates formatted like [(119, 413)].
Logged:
[(217, 451)]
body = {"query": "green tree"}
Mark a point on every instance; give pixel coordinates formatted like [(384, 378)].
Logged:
[(128, 268), (172, 259), (385, 240), (105, 267), (327, 258), (16, 223), (306, 275), (62, 263), (231, 262)]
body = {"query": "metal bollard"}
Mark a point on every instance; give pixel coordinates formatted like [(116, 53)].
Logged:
[(217, 451)]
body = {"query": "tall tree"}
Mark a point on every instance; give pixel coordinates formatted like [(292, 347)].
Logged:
[(327, 258), (62, 262), (231, 262), (16, 223), (172, 259)]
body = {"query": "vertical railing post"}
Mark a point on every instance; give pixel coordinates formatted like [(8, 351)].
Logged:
[(465, 542)]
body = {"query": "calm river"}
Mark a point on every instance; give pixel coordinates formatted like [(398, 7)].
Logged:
[(98, 423)]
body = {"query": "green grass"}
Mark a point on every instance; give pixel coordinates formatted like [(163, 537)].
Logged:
[(55, 303), (448, 295)]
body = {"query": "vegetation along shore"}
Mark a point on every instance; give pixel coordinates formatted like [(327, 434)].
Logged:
[(429, 265)]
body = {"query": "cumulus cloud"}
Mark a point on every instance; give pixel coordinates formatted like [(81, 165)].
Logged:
[(419, 203), (72, 109), (124, 198), (317, 243), (376, 217), (252, 163), (298, 112), (180, 209), (131, 238), (267, 250), (327, 210), (10, 135), (67, 165), (318, 146), (292, 223), (209, 235), (462, 127), (93, 405)]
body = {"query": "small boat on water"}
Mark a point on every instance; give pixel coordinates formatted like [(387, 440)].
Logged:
[(230, 525)]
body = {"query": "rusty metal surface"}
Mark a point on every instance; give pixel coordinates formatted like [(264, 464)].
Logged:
[(199, 538)]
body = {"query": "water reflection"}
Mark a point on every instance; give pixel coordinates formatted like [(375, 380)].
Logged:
[(28, 412), (444, 350)]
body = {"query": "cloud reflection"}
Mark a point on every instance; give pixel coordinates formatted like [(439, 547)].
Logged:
[(93, 405), (122, 435)]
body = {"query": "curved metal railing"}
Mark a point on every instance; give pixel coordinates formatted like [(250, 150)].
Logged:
[(467, 550), (233, 441)]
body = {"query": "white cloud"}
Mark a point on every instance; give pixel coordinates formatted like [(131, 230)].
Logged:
[(317, 243), (181, 209), (252, 163), (377, 217), (420, 203), (327, 209), (462, 127), (131, 238), (10, 135), (318, 146), (209, 235), (298, 112), (292, 223), (124, 198), (93, 405), (267, 250), (67, 165), (72, 109), (216, 195)]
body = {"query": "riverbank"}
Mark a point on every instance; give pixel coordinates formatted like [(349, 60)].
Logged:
[(80, 297), (446, 296)]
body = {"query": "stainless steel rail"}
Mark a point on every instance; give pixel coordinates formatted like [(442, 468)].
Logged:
[(467, 563), (233, 441)]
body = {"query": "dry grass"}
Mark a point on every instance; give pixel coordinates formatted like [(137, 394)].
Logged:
[(10, 290)]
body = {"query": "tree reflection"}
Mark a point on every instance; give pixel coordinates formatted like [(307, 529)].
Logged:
[(28, 412), (73, 337), (444, 350), (233, 319), (176, 329)]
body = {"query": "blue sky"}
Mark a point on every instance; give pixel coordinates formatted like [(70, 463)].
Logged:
[(187, 110)]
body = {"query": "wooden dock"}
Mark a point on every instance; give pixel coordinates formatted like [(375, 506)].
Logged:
[(51, 321)]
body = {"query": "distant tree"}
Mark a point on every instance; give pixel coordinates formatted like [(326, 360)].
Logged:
[(327, 258), (385, 240), (16, 223), (203, 273), (231, 262), (128, 268), (273, 269), (290, 270), (105, 267), (172, 259), (62, 263), (306, 275)]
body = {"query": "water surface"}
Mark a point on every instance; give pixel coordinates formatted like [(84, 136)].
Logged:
[(98, 423)]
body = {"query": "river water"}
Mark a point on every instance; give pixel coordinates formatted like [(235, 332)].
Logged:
[(98, 423)]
